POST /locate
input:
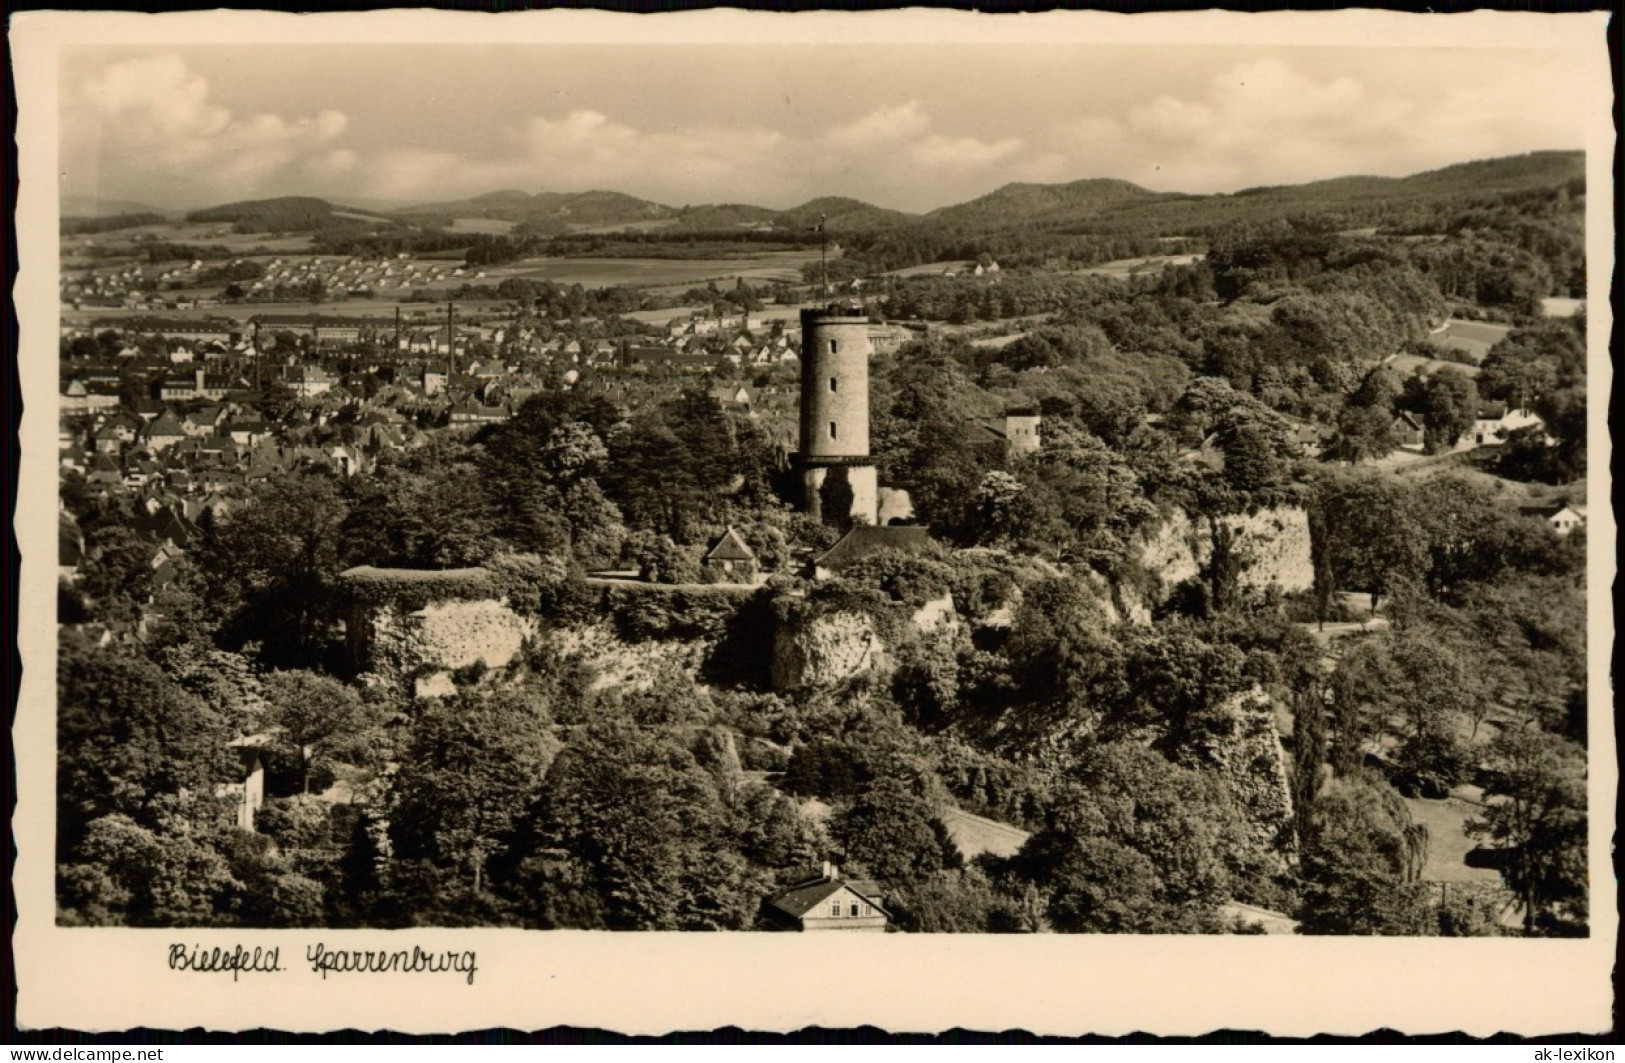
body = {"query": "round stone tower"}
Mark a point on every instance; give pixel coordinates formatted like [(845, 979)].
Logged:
[(835, 352)]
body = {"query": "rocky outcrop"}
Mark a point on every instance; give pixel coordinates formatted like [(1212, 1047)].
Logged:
[(1118, 602), (938, 612), (1169, 553), (1274, 540), (826, 651), (616, 665)]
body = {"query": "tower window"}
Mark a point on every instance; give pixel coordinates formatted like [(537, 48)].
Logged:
[(832, 384), (832, 347), (832, 429)]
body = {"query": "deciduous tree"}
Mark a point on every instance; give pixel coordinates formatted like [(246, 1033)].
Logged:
[(1536, 809)]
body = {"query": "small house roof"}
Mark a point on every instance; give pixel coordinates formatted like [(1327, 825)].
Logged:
[(1547, 510), (866, 540), (804, 896), (165, 425), (730, 547)]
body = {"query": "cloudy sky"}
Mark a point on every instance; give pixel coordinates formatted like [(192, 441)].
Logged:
[(908, 127)]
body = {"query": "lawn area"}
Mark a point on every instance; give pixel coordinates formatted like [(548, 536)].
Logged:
[(1448, 843), (1124, 268), (975, 835), (1473, 338), (1398, 460)]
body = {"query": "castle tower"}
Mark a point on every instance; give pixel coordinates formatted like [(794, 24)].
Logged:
[(835, 350), (1021, 430)]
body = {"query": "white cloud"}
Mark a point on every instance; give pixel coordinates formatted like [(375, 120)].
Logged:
[(332, 165), (587, 150), (889, 154), (962, 153), (153, 116), (1270, 122), (885, 126)]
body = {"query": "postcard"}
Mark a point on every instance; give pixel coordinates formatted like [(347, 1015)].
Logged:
[(1077, 523)]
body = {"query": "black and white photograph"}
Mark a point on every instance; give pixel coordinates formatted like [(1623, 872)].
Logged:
[(780, 487)]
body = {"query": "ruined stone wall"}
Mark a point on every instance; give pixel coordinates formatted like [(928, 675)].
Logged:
[(425, 645), (824, 652)]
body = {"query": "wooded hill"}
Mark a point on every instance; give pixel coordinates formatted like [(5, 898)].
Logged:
[(1016, 218), (287, 214)]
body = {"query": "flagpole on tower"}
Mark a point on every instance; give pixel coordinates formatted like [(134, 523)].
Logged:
[(823, 248)]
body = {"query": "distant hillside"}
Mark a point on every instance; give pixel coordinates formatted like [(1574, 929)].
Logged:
[(83, 225), (291, 214), (1007, 219), (547, 212), (96, 207), (1513, 173), (506, 197), (1103, 206), (843, 215), (1347, 202), (722, 217)]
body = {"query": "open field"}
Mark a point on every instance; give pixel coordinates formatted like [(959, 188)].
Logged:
[(1475, 338), (659, 272), (1561, 307), (1123, 268), (398, 280), (627, 226), (488, 226), (933, 269), (211, 234)]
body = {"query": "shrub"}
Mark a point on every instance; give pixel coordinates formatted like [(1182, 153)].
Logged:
[(411, 589), (643, 613), (298, 822)]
